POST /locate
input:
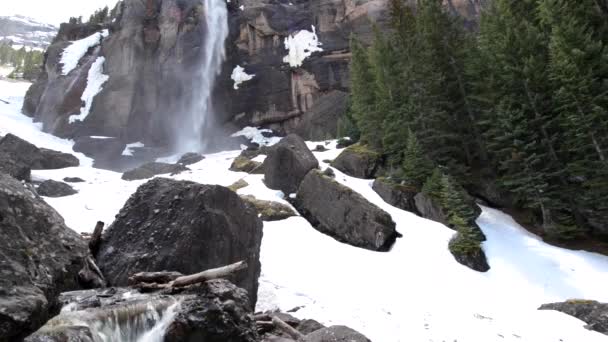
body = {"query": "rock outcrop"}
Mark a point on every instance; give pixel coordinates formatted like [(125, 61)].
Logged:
[(336, 333), (269, 210), (51, 188), (41, 257), (152, 169), (287, 163), (338, 211), (182, 226), (358, 161), (244, 164), (397, 195), (20, 156), (593, 313), (190, 158)]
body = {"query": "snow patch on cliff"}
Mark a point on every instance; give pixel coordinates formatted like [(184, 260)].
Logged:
[(128, 151), (301, 46), (95, 81), (74, 52), (256, 136), (239, 76)]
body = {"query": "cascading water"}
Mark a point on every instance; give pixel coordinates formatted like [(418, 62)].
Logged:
[(200, 111)]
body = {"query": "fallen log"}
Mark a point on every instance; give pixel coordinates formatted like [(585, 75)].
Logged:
[(3, 101), (152, 281), (95, 239), (287, 329)]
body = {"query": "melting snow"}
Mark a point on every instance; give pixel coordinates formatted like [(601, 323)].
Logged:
[(256, 136), (77, 49), (128, 151), (95, 81), (239, 76), (300, 46), (415, 292)]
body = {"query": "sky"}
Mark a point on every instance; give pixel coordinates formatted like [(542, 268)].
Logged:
[(53, 11)]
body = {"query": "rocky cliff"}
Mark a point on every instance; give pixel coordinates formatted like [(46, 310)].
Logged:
[(147, 63)]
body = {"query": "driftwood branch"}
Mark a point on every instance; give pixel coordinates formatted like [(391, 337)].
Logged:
[(95, 239), (288, 329), (3, 101), (151, 281)]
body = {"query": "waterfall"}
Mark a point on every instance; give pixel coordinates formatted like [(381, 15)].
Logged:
[(191, 137)]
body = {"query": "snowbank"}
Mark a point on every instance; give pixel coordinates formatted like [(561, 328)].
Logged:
[(74, 52), (239, 76), (256, 136), (128, 151), (300, 46), (95, 81)]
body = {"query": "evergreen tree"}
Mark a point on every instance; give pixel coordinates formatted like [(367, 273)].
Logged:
[(416, 166)]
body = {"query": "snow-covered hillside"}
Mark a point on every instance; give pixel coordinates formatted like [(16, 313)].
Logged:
[(23, 31), (415, 292)]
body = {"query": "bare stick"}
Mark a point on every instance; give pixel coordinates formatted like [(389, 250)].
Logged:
[(96, 238), (215, 273), (288, 329), (6, 102), (154, 277)]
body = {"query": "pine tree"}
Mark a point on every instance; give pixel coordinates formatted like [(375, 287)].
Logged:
[(416, 166), (433, 186)]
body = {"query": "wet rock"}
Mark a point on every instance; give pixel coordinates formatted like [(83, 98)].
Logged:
[(430, 209), (185, 227), (24, 153), (73, 180), (308, 326), (268, 210), (320, 148), (243, 164), (287, 164), (338, 211), (41, 257), (397, 195), (358, 161), (51, 188), (14, 167), (190, 158), (336, 333), (594, 313), (152, 169)]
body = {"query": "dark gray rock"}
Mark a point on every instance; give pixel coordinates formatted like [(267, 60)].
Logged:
[(430, 209), (243, 164), (152, 169), (595, 314), (185, 227), (287, 164), (336, 333), (190, 158), (308, 326), (24, 153), (358, 161), (268, 210), (40, 258), (15, 167), (104, 151), (73, 180), (345, 142), (467, 250), (397, 195), (320, 122), (51, 188), (338, 211)]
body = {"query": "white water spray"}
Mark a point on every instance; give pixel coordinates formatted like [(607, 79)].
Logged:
[(213, 55)]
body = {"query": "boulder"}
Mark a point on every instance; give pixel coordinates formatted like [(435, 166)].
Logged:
[(190, 158), (239, 184), (51, 188), (287, 164), (185, 227), (15, 167), (103, 150), (269, 210), (397, 195), (595, 314), (243, 164), (430, 209), (36, 158), (73, 180), (340, 212), (336, 333), (41, 257), (152, 169), (213, 311), (466, 249), (358, 161)]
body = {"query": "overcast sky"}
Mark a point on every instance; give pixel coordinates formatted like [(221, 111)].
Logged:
[(53, 11)]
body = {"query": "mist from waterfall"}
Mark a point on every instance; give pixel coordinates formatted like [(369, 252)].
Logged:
[(199, 112)]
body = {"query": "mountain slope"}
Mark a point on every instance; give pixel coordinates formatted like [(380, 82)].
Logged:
[(23, 31)]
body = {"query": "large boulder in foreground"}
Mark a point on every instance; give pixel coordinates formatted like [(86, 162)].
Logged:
[(397, 195), (595, 314), (358, 161), (152, 169), (340, 212), (40, 257), (287, 163), (212, 311), (182, 226), (34, 157)]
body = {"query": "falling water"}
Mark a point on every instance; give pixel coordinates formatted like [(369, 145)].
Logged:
[(213, 54)]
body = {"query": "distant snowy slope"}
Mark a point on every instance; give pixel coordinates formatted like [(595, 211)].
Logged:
[(23, 31)]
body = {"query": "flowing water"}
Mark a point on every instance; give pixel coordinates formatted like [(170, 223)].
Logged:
[(200, 111)]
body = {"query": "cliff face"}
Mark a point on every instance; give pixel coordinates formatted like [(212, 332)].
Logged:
[(153, 49)]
